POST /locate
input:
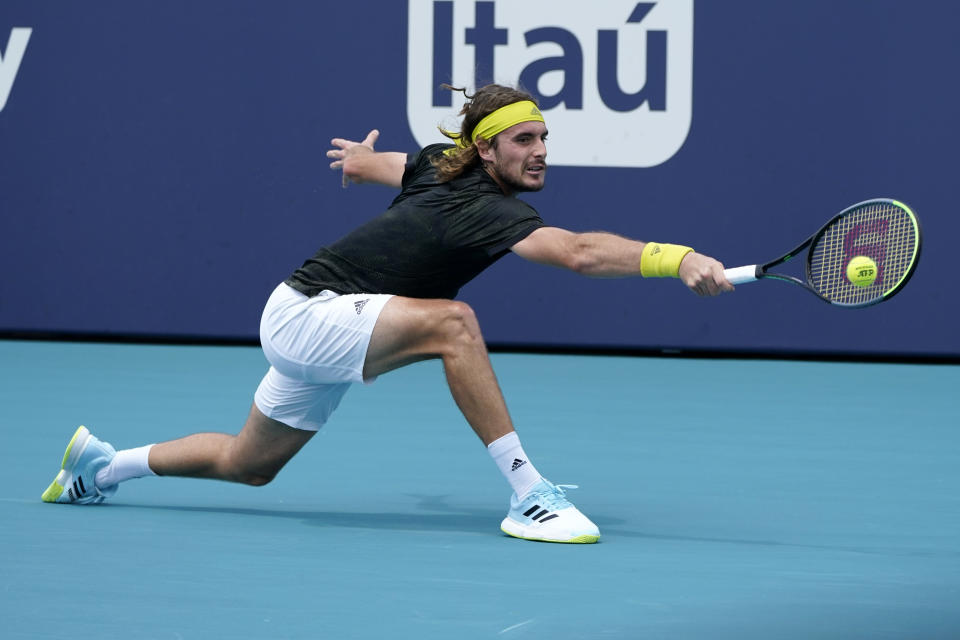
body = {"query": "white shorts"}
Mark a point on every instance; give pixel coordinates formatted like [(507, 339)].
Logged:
[(316, 348)]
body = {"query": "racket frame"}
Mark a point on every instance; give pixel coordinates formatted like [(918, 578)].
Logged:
[(751, 273)]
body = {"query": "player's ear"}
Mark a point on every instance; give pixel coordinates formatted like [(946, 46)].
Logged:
[(484, 149)]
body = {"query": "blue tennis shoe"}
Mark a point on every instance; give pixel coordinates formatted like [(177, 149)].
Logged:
[(76, 484), (546, 515)]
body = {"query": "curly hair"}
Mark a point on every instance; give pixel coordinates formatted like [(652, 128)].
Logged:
[(485, 101)]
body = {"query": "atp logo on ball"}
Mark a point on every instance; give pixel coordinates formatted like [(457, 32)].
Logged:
[(614, 79)]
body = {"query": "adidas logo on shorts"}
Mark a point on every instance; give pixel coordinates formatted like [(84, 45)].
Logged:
[(360, 304)]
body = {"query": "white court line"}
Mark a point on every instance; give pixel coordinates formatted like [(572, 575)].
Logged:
[(515, 626)]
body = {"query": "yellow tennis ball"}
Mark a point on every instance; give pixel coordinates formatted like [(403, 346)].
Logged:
[(862, 271)]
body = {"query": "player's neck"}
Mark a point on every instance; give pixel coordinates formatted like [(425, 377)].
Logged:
[(507, 191)]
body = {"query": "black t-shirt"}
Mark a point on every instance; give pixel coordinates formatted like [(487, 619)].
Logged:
[(434, 238)]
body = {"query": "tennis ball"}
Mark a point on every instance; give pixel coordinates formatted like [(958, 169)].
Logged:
[(861, 271)]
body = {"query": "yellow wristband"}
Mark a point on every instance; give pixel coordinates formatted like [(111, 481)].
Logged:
[(662, 260)]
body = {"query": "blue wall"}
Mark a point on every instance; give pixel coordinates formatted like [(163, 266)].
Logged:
[(162, 167)]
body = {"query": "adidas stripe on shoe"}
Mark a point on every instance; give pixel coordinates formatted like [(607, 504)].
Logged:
[(76, 481), (546, 515)]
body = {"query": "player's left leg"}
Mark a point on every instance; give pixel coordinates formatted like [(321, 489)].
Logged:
[(254, 456), (92, 469), (287, 411), (84, 457)]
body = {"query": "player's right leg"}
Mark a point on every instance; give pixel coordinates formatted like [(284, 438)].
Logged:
[(410, 330)]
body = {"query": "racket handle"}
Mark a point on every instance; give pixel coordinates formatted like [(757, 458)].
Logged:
[(741, 275)]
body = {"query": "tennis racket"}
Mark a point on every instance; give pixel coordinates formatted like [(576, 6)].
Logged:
[(875, 243)]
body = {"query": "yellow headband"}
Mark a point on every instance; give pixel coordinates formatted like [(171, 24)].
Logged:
[(500, 120)]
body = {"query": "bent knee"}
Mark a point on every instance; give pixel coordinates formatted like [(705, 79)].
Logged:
[(258, 480), (460, 323), (255, 479), (251, 477), (244, 472)]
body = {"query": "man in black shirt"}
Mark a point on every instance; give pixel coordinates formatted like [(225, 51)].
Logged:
[(434, 238), (381, 298)]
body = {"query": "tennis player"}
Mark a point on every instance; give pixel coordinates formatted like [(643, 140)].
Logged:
[(383, 297)]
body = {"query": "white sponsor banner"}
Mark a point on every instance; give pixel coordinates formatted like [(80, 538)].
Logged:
[(614, 78)]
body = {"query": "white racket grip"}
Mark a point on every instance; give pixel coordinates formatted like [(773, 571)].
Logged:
[(741, 275)]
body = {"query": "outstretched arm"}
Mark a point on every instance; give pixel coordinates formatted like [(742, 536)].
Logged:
[(360, 163), (606, 255)]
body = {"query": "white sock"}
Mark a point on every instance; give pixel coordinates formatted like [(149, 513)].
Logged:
[(513, 463), (126, 465)]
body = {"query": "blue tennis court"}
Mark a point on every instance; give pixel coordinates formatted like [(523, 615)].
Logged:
[(737, 499)]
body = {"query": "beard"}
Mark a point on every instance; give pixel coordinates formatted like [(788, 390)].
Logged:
[(516, 185)]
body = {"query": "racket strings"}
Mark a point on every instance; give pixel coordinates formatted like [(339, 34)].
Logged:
[(882, 231)]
